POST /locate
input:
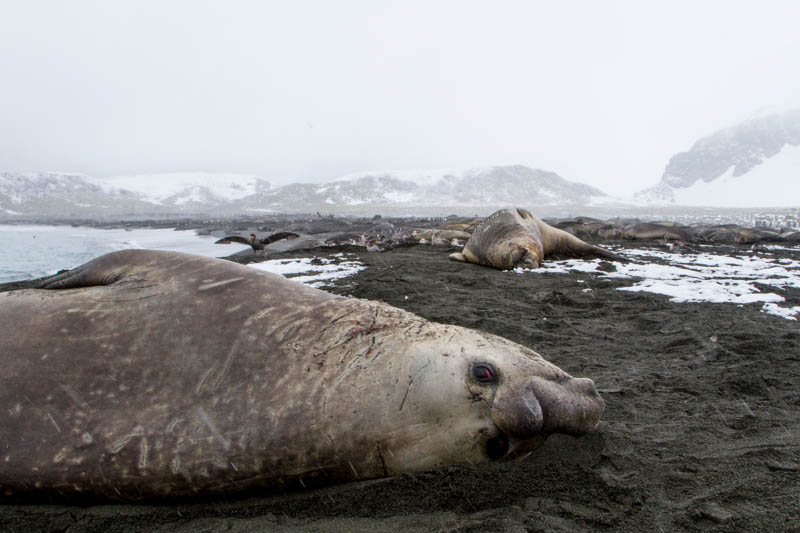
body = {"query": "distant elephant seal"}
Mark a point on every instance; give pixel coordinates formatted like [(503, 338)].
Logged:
[(431, 234), (655, 231), (739, 235), (147, 375), (513, 237)]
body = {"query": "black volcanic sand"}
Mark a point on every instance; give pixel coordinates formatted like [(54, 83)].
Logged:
[(701, 429)]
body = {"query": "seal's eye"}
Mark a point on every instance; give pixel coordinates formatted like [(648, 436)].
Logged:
[(484, 373)]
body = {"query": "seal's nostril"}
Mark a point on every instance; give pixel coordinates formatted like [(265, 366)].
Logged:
[(497, 447)]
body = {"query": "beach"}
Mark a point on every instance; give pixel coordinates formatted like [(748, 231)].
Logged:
[(701, 429)]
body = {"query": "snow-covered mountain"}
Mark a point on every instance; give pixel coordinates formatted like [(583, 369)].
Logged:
[(477, 190), (62, 195), (65, 195), (752, 164), (188, 188)]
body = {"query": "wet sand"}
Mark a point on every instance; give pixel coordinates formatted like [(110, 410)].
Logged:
[(701, 429)]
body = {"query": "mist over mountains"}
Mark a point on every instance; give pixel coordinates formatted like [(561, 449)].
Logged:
[(404, 192), (753, 164)]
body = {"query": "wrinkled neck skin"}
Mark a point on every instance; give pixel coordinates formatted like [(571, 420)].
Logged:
[(398, 395)]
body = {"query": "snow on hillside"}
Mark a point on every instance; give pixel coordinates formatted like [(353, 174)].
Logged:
[(774, 183), (476, 190), (186, 187), (755, 163), (422, 177), (488, 188)]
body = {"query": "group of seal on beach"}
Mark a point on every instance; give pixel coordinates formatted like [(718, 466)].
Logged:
[(147, 375), (513, 237), (510, 238), (635, 229)]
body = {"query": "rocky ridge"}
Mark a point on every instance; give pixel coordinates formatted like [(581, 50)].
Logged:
[(730, 153), (49, 194)]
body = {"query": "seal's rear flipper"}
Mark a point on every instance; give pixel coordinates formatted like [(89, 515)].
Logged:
[(458, 256), (77, 278), (29, 283), (104, 270)]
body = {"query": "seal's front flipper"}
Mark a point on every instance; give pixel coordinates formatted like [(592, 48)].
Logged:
[(458, 256)]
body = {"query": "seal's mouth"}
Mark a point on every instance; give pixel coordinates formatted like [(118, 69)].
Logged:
[(503, 448), (497, 447)]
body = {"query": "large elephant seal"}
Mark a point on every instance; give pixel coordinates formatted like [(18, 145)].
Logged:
[(513, 237), (154, 375)]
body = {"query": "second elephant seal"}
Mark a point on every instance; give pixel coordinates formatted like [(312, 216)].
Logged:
[(513, 237)]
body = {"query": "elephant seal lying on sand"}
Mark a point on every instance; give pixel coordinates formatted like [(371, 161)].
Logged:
[(154, 375), (513, 237)]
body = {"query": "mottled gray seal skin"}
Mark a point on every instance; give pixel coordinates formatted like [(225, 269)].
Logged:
[(147, 375), (514, 237)]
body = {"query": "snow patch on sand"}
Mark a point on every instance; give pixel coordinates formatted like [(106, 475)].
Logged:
[(316, 272), (701, 277), (786, 312)]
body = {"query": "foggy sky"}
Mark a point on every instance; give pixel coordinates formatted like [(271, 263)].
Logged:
[(599, 92)]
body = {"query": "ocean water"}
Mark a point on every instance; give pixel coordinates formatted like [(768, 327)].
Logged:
[(33, 251)]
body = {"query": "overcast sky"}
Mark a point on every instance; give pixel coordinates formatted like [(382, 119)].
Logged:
[(601, 92)]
